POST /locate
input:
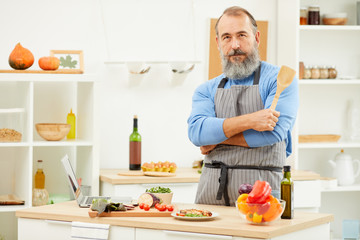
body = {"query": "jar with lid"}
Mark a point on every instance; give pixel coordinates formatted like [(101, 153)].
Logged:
[(324, 72), (303, 16), (332, 72), (314, 15), (315, 72), (307, 72)]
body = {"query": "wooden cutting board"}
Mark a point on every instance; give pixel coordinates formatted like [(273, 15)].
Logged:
[(131, 173), (11, 200), (136, 212)]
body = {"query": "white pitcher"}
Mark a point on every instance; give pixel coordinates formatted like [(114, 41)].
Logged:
[(343, 168)]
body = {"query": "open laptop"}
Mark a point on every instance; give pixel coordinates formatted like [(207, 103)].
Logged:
[(83, 201)]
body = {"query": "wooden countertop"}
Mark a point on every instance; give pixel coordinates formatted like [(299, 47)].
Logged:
[(227, 223), (183, 175)]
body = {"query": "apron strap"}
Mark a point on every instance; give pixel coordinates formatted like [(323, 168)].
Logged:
[(255, 82), (223, 180)]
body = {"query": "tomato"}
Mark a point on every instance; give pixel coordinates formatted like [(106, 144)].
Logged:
[(161, 207), (141, 205), (146, 207), (170, 208), (180, 214), (157, 206)]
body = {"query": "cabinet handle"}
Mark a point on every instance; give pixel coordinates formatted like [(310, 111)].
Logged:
[(58, 222), (201, 235)]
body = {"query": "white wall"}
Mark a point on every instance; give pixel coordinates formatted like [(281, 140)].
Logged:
[(138, 30)]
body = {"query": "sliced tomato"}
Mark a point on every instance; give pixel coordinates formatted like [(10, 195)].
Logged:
[(180, 214)]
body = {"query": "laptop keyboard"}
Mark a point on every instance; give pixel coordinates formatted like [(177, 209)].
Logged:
[(90, 199)]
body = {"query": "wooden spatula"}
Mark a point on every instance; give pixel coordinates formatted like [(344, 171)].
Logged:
[(284, 79)]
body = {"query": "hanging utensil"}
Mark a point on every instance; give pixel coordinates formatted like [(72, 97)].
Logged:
[(284, 79)]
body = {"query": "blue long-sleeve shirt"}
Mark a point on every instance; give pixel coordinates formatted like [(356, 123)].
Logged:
[(204, 128)]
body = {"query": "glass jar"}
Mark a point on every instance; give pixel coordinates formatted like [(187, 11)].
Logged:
[(307, 72), (315, 72), (332, 72), (303, 16), (324, 72), (314, 15)]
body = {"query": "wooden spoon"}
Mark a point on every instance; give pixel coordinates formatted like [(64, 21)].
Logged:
[(284, 79)]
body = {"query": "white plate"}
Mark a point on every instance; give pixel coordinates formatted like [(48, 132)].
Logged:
[(214, 215)]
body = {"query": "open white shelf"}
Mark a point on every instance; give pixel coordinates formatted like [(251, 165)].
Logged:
[(351, 188), (329, 145), (329, 82), (329, 27)]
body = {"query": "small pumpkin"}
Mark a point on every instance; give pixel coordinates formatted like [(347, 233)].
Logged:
[(21, 58), (49, 63)]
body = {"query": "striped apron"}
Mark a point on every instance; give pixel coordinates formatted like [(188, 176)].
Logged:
[(227, 167)]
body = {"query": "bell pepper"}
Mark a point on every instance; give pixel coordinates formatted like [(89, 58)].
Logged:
[(274, 210), (263, 208), (241, 203), (257, 218), (261, 190)]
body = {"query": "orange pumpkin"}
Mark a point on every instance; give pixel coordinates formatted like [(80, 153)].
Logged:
[(21, 58), (49, 63)]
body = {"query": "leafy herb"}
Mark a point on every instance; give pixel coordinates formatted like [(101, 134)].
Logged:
[(158, 190), (68, 62), (99, 205)]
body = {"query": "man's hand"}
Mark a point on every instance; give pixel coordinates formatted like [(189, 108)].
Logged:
[(265, 120), (207, 149)]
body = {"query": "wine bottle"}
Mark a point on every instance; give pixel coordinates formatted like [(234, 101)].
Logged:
[(135, 147), (287, 194)]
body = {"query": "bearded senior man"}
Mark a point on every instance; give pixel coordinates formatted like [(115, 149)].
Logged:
[(231, 122)]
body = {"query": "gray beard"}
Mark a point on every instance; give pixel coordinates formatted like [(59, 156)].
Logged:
[(240, 70)]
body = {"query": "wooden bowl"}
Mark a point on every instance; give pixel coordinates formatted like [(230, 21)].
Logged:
[(334, 21), (52, 131)]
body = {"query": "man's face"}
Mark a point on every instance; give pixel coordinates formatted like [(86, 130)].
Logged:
[(238, 46)]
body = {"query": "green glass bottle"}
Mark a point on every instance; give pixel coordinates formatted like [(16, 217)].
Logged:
[(135, 147), (287, 194)]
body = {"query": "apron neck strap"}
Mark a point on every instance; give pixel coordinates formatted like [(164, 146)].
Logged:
[(255, 82)]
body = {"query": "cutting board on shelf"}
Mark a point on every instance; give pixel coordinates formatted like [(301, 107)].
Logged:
[(131, 173), (136, 212), (149, 174), (11, 199)]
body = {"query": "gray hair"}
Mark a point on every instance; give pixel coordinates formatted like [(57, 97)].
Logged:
[(237, 11)]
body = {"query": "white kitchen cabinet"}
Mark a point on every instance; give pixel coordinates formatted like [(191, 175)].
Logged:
[(183, 192), (323, 102), (48, 98)]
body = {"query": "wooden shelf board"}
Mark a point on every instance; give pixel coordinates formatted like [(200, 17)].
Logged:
[(59, 71)]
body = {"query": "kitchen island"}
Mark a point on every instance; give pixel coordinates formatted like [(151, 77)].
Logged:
[(54, 222)]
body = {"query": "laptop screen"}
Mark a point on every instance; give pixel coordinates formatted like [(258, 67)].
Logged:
[(71, 177)]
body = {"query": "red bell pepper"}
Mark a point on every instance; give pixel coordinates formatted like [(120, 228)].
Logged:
[(261, 190)]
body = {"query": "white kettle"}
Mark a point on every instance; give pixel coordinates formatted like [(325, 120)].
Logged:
[(343, 168)]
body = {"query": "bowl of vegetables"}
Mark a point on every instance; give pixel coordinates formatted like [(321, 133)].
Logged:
[(259, 206), (164, 194)]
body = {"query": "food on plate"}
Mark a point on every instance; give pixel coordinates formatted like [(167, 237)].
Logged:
[(158, 190), (194, 213), (245, 188), (149, 199), (259, 205), (21, 58), (159, 167)]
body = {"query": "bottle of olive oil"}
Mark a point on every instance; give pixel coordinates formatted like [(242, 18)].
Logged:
[(135, 147), (287, 193), (40, 194)]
